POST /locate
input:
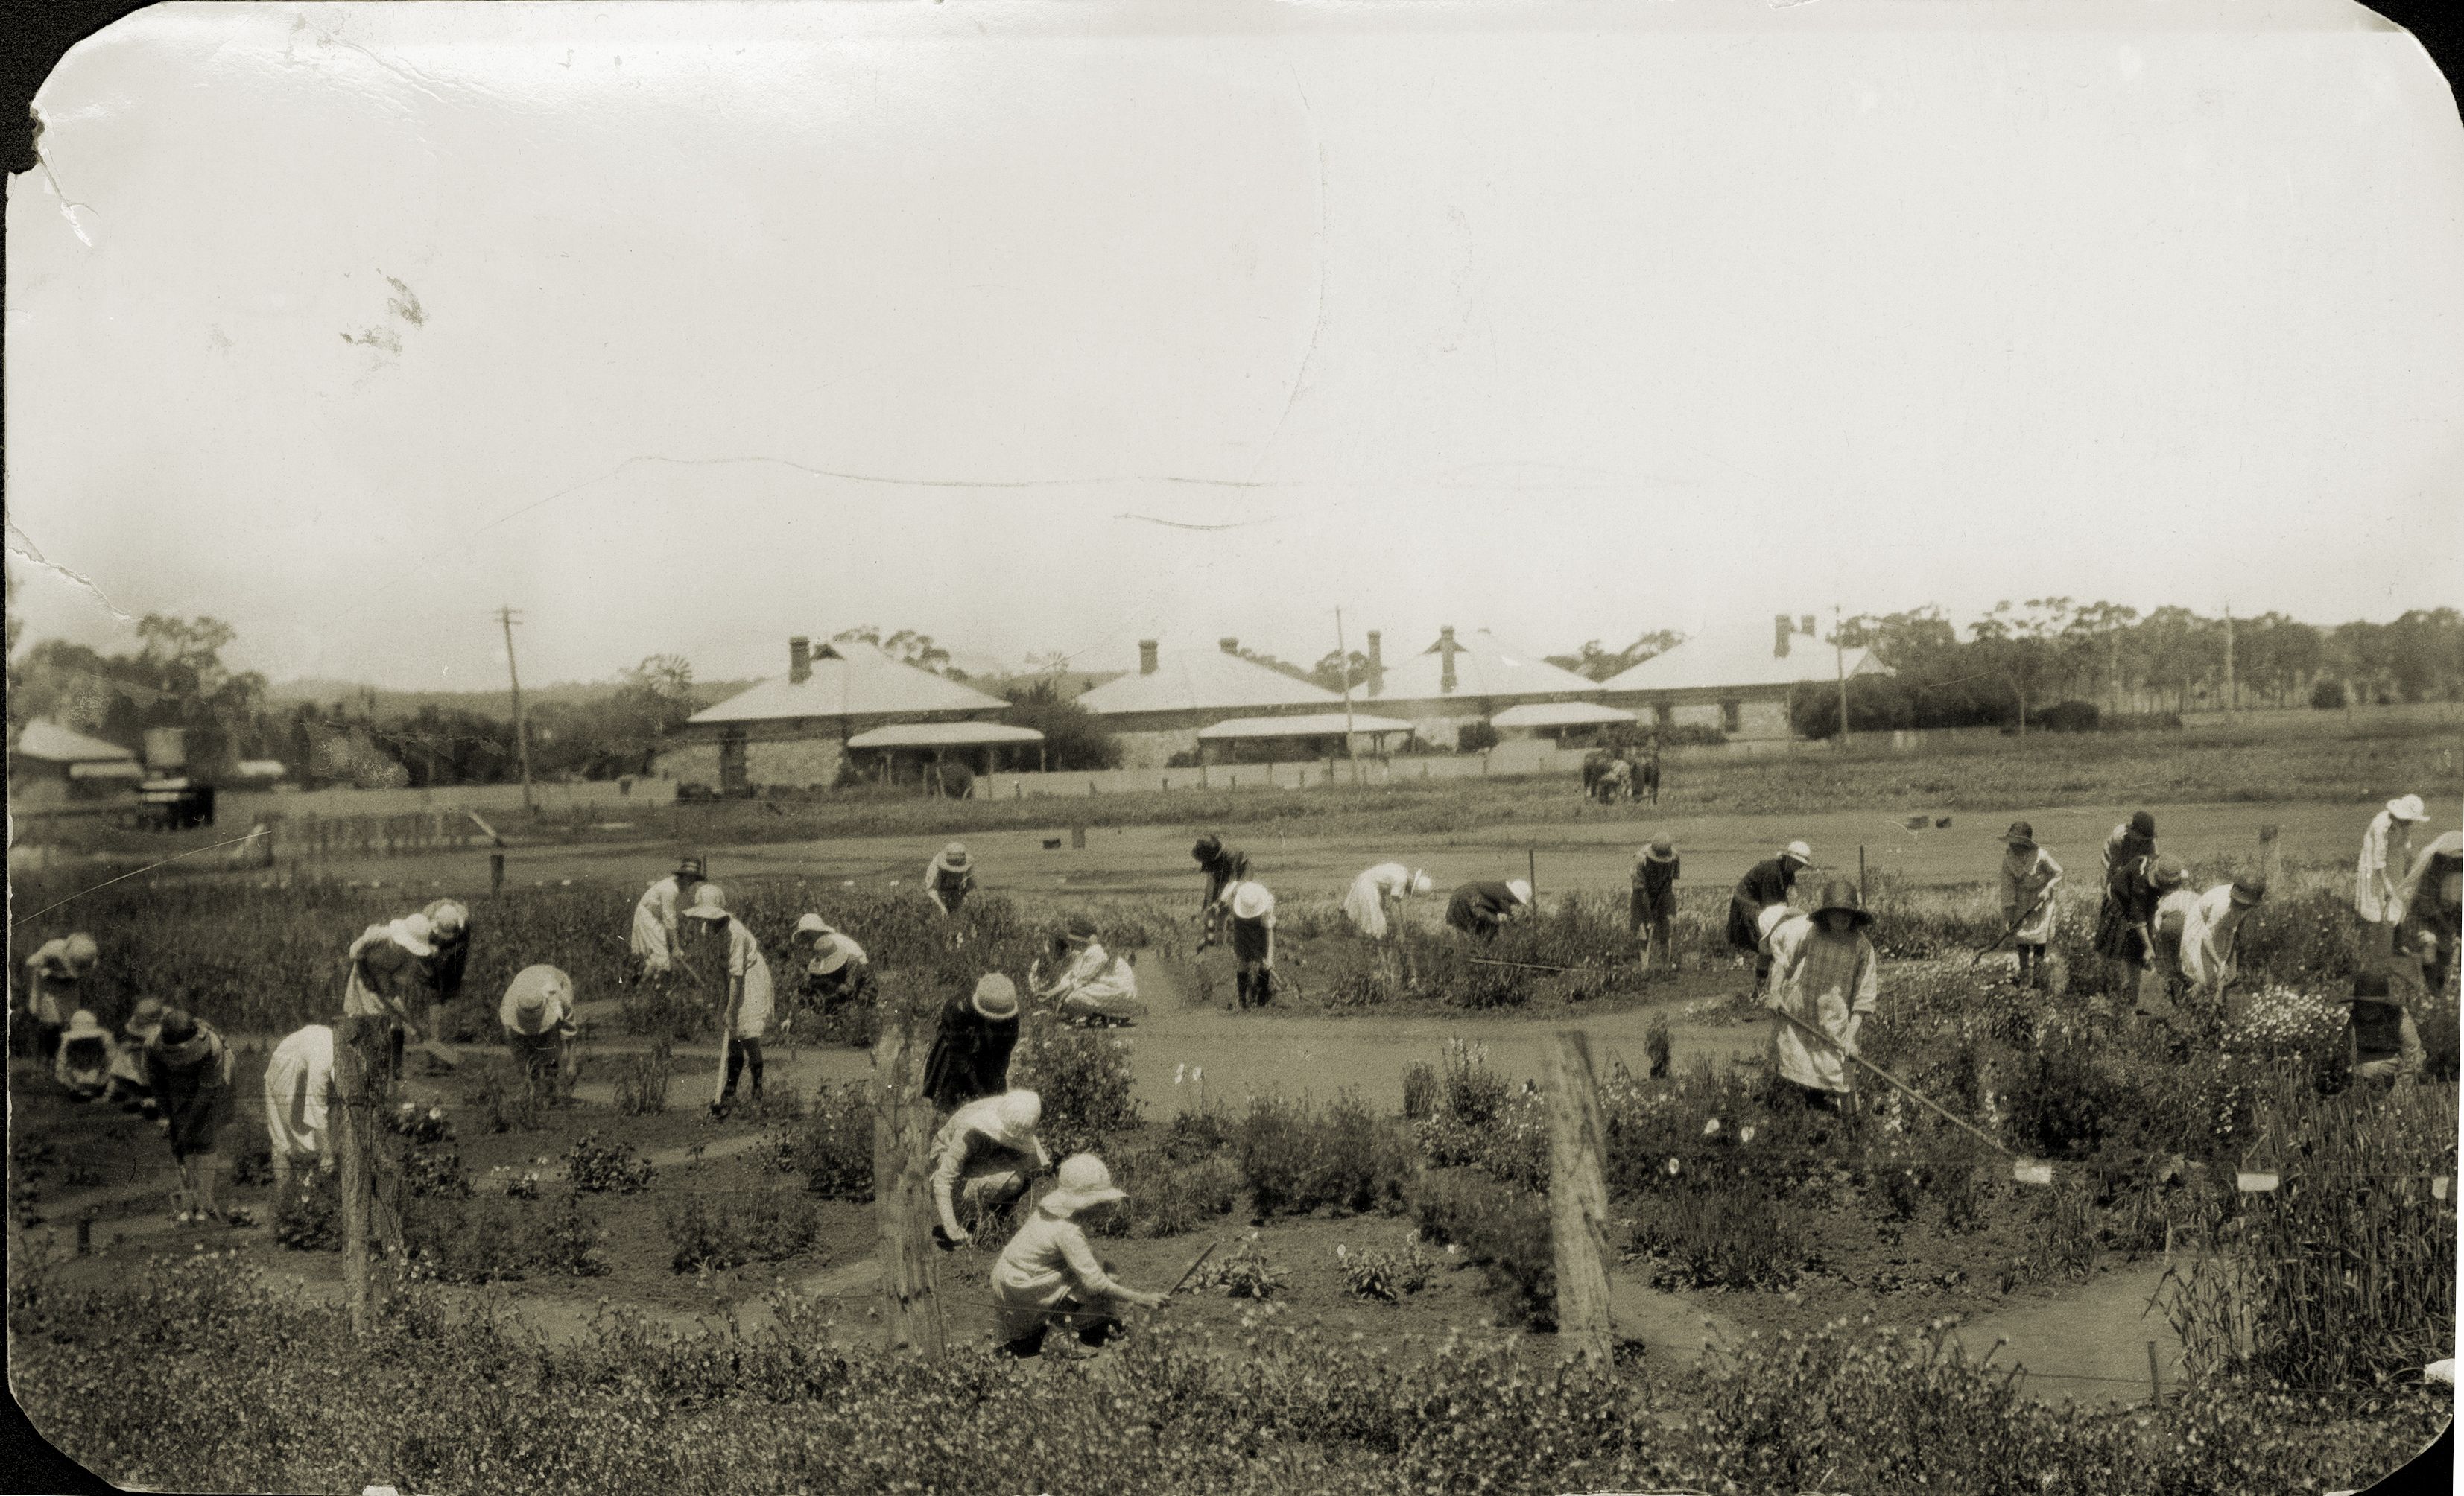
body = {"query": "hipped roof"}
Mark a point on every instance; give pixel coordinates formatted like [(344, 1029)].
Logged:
[(850, 678), (48, 741), (1204, 680), (1317, 724), (945, 735), (1483, 667), (1741, 658), (1560, 714)]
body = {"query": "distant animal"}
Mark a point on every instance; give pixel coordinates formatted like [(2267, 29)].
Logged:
[(1646, 778), (1596, 768)]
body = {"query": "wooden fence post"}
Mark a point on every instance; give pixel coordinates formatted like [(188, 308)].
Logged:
[(1578, 1198), (2271, 858), (902, 1129), (351, 1136)]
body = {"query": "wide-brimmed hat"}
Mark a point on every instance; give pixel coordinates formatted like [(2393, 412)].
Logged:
[(1205, 847), (446, 918), (2408, 808), (2168, 874), (1422, 882), (1081, 1181), (79, 952), (1017, 1113), (2020, 834), (1662, 851), (814, 925), (710, 902), (82, 1026), (995, 997), (413, 934), (1799, 851), (1079, 929), (1521, 889), (146, 1018), (534, 990), (1771, 918), (692, 868), (1252, 901), (1840, 896), (2249, 889), (2143, 822), (827, 958), (955, 856)]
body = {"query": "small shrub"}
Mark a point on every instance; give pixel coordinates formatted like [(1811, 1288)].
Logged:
[(1084, 1079), (596, 1165), (663, 1010), (1473, 1092), (1385, 1276), (432, 1175), (1295, 1157), (254, 1165), (1195, 1134), (642, 1081), (418, 1126), (1502, 1230), (2063, 1241), (713, 1232), (1419, 1090), (1658, 1045), (503, 1101), (487, 1241), (831, 1145), (2328, 695), (308, 1218), (1169, 1195), (1720, 1239), (1244, 1272)]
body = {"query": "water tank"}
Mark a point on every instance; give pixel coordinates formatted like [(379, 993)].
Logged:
[(167, 749)]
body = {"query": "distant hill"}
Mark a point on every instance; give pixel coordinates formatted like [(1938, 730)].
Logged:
[(497, 704)]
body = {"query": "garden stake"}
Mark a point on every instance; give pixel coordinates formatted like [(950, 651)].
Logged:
[(2155, 1386)]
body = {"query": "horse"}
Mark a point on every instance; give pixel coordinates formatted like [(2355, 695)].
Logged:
[(1646, 778)]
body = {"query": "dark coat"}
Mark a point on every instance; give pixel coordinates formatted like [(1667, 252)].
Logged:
[(1655, 891), (2130, 899), (1478, 908), (195, 1097), (970, 1055), (1223, 870), (1765, 883)]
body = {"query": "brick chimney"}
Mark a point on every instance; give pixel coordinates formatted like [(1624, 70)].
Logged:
[(1447, 650), (1780, 630), (1147, 656), (1228, 644), (1805, 624), (1376, 662), (800, 660)]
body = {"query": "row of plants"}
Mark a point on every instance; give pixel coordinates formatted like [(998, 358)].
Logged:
[(470, 1401)]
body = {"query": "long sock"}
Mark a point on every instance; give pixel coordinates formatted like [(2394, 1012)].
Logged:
[(734, 1068), (752, 1048)]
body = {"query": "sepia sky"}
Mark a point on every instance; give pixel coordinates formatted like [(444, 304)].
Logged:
[(1043, 327)]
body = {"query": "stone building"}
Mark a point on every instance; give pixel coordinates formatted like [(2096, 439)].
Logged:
[(1736, 679), (1161, 709), (795, 731), (1456, 682)]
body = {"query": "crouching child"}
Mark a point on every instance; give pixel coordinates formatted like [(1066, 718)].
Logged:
[(1049, 1275), (983, 1159)]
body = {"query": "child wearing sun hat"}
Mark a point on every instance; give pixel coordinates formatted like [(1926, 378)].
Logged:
[(1652, 906), (1048, 1274)]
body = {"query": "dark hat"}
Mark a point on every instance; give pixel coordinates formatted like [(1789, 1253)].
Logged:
[(691, 868), (1662, 851), (1840, 894), (2370, 984), (2143, 822), (1080, 928), (2250, 887), (178, 1026), (2020, 834), (1206, 846)]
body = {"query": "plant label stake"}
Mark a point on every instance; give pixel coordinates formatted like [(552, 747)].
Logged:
[(2032, 1171), (2257, 1181)]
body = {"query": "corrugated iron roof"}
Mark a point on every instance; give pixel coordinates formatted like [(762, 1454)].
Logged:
[(1317, 724), (851, 679), (1483, 667), (1204, 680), (1738, 658), (48, 741)]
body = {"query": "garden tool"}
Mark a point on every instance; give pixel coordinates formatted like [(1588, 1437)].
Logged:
[(1190, 1272), (2025, 914), (1897, 1083), (726, 1041)]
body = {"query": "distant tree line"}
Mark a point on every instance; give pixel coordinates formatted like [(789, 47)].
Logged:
[(2054, 662)]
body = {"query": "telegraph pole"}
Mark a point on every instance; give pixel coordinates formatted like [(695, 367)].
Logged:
[(1840, 660), (508, 617), (2232, 696), (1343, 668)]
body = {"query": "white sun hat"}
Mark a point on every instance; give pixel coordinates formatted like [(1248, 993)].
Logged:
[(412, 932), (1799, 851), (1081, 1181), (1423, 882), (2408, 808), (1770, 919), (1252, 901), (1521, 889), (1019, 1112), (710, 902)]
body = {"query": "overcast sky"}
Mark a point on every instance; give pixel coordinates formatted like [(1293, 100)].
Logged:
[(1043, 327)]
